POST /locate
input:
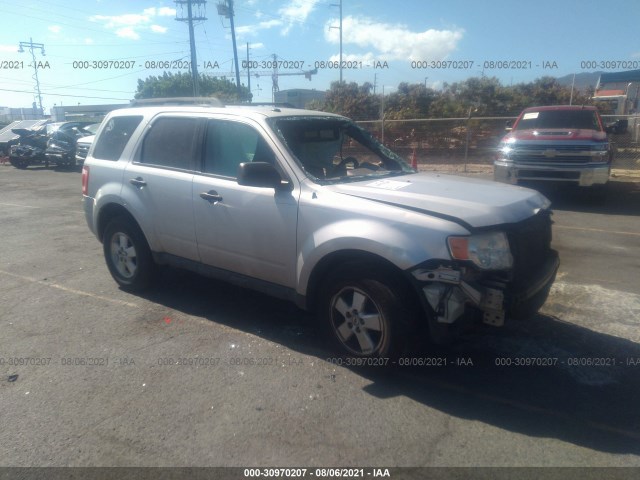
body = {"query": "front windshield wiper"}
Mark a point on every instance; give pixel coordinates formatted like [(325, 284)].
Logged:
[(368, 176)]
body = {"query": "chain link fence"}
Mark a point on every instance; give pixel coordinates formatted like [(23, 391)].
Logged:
[(461, 144)]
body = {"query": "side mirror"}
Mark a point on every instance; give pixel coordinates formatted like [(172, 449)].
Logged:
[(259, 174), (508, 125)]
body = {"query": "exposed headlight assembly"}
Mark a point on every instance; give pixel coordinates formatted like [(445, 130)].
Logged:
[(489, 251)]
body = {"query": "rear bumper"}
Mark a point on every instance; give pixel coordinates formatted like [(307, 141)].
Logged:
[(88, 205), (583, 175)]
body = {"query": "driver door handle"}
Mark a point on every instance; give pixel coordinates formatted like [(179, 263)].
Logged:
[(138, 182), (211, 196)]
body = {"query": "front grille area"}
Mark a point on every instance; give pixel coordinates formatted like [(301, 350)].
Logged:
[(530, 242), (82, 150), (552, 154), (573, 159)]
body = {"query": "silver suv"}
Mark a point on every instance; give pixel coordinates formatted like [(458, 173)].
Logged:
[(309, 207)]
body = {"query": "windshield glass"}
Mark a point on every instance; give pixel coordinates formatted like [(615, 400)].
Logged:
[(584, 119), (335, 150)]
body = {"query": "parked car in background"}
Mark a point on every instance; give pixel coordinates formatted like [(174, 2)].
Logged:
[(29, 148), (47, 143), (309, 207), (61, 146), (84, 143), (555, 144)]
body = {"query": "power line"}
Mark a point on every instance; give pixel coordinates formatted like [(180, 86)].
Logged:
[(63, 95)]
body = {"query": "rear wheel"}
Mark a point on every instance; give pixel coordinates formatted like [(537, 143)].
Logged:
[(127, 254), (364, 314)]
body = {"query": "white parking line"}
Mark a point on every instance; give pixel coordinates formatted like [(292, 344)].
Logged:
[(16, 205), (69, 290)]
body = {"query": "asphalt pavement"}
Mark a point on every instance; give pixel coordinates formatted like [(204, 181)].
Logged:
[(200, 373)]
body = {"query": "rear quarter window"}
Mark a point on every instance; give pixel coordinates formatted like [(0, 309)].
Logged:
[(114, 137)]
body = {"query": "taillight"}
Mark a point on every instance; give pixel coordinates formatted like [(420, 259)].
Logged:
[(85, 180)]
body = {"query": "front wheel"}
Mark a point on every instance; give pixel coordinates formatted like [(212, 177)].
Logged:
[(128, 255), (365, 316), (19, 162)]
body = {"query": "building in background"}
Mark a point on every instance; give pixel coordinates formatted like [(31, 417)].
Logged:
[(299, 97), (83, 113), (8, 115)]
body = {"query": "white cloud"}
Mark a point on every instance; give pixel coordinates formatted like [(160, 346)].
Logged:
[(256, 46), (393, 41), (166, 12), (88, 41), (253, 29), (54, 28), (129, 24), (8, 48), (297, 11), (127, 32)]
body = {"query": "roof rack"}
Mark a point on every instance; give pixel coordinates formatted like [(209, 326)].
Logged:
[(207, 101), (263, 104)]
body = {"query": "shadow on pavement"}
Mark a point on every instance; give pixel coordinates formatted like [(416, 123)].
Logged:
[(614, 198), (543, 378)]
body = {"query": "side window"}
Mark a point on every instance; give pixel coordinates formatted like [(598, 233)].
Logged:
[(228, 144), (114, 137), (171, 143)]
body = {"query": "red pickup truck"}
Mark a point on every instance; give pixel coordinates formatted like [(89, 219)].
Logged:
[(555, 143)]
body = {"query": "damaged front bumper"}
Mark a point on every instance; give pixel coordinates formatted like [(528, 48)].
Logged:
[(453, 293)]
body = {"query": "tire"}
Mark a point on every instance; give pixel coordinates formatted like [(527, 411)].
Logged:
[(19, 162), (363, 313), (127, 254)]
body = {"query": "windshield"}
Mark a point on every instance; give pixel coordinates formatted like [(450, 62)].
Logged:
[(334, 150), (583, 119)]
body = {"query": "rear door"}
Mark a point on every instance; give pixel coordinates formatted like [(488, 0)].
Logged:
[(157, 185)]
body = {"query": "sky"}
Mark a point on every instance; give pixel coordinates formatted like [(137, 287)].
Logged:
[(96, 50)]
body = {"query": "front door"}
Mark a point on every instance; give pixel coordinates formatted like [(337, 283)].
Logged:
[(247, 230)]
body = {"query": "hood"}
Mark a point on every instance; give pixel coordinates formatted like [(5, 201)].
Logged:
[(468, 201), (556, 134), (87, 140), (23, 132)]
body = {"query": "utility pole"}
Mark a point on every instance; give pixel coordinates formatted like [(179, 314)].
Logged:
[(192, 42), (226, 10), (30, 45), (340, 28), (248, 73)]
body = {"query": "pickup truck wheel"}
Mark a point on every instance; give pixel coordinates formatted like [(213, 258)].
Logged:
[(128, 255), (365, 316)]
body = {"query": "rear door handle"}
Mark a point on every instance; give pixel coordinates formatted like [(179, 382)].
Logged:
[(138, 182), (211, 196)]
